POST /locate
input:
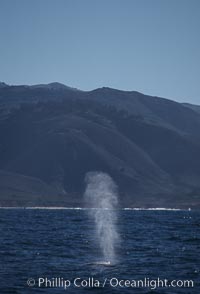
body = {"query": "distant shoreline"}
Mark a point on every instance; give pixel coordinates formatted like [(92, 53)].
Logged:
[(87, 208)]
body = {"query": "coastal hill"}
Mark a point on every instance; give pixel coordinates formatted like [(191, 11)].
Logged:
[(52, 135)]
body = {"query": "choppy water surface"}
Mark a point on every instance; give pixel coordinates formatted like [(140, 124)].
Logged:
[(63, 244)]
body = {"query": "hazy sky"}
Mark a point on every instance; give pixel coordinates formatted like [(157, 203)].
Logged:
[(152, 46)]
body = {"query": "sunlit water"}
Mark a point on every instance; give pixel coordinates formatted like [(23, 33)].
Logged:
[(62, 243)]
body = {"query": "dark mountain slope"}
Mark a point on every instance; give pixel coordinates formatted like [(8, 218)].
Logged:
[(193, 107), (51, 137), (20, 190), (154, 110), (61, 149)]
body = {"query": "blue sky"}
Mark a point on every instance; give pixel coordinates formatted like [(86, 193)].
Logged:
[(152, 46)]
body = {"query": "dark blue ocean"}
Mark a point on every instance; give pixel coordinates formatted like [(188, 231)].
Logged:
[(62, 245)]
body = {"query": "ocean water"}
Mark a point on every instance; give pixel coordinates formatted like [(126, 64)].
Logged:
[(61, 245)]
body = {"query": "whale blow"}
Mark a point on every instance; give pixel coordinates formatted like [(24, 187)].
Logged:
[(101, 194)]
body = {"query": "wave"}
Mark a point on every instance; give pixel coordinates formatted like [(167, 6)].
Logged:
[(156, 208), (89, 208)]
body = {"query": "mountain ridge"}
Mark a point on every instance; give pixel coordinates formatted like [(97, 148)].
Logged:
[(51, 138), (58, 86)]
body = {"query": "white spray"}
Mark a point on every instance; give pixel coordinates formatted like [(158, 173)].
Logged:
[(101, 194)]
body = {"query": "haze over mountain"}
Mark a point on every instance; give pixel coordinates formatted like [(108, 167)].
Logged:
[(52, 135)]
